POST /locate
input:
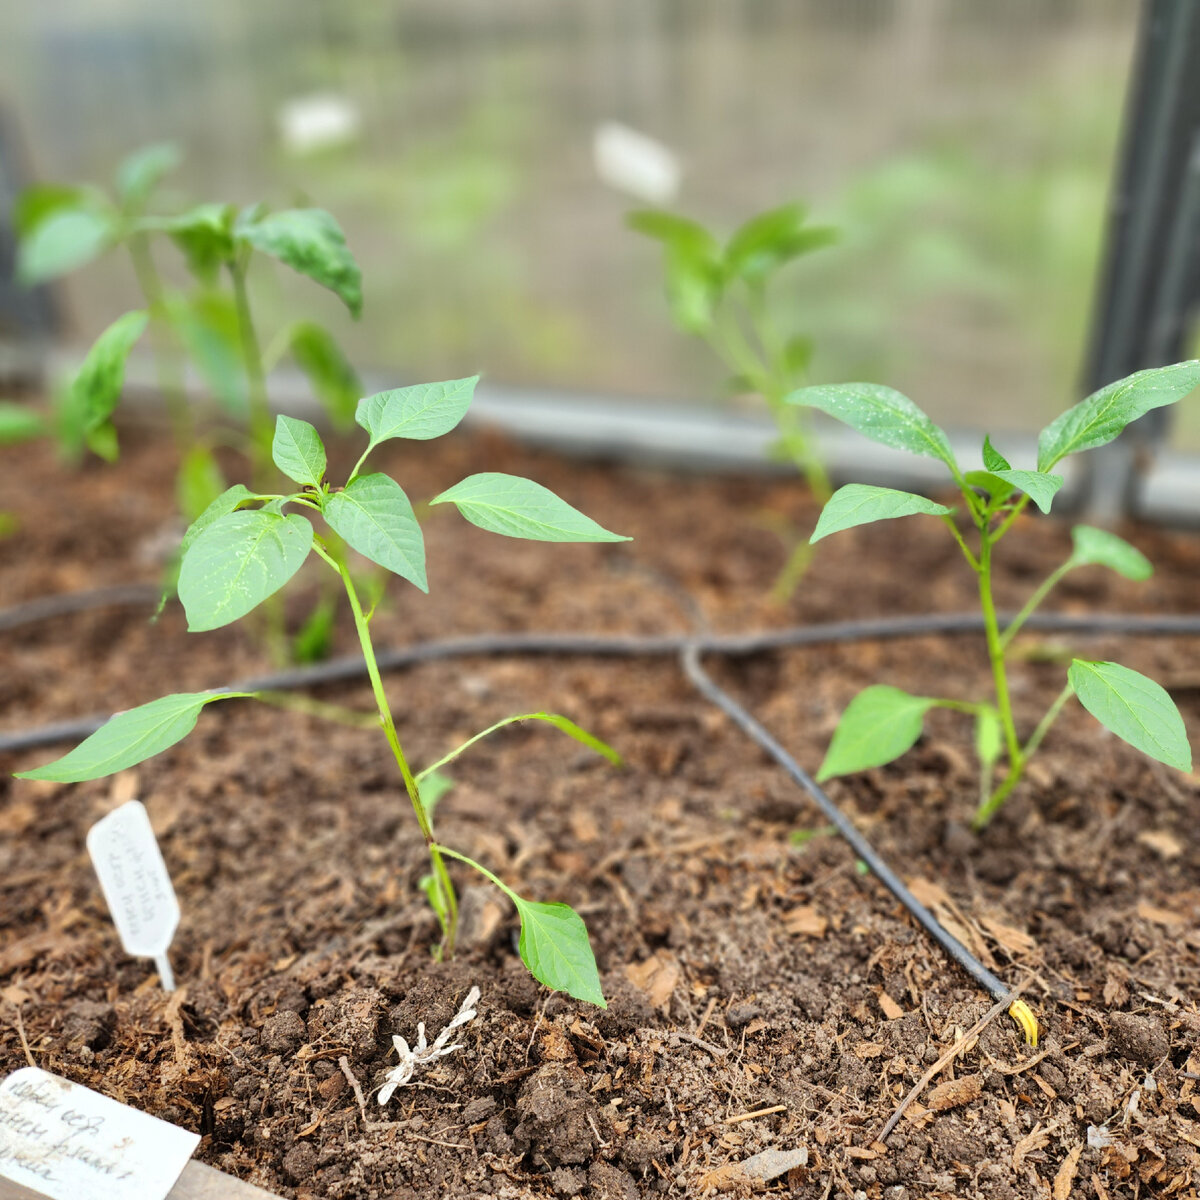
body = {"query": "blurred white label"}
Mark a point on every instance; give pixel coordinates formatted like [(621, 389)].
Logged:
[(634, 163), (318, 122), (135, 883), (69, 1143)]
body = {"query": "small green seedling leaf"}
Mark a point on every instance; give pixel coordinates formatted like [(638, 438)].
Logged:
[(236, 562), (434, 785), (993, 460), (882, 414), (19, 423), (333, 379), (879, 724), (309, 240), (554, 946), (1039, 486), (40, 200), (207, 324), (96, 389), (860, 504), (140, 173), (989, 736), (375, 517), (694, 266), (298, 451), (1107, 550), (222, 506), (520, 508), (129, 737), (1135, 708), (771, 239), (998, 489), (678, 233), (1104, 414), (433, 893), (562, 723), (421, 412), (66, 239), (204, 234)]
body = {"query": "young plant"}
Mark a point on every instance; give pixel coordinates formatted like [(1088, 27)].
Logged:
[(246, 545), (883, 722), (722, 293), (62, 228)]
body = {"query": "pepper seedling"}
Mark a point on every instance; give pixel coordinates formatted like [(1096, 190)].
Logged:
[(721, 292), (883, 722), (244, 547)]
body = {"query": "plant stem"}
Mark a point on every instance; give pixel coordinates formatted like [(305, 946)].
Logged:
[(260, 408), (317, 708), (440, 874), (1033, 601), (1044, 724), (996, 657), (483, 871)]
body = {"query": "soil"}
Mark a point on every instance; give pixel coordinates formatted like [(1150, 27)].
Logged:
[(763, 995)]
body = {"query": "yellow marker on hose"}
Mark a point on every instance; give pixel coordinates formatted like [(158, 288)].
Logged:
[(1023, 1015)]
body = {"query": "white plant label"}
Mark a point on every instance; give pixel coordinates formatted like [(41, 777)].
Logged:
[(136, 885), (66, 1142)]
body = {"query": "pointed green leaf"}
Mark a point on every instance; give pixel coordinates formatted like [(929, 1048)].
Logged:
[(433, 785), (681, 233), (207, 323), (140, 173), (298, 451), (882, 414), (309, 240), (993, 460), (236, 562), (879, 724), (554, 946), (66, 239), (559, 722), (333, 379), (1136, 709), (1104, 414), (520, 508), (420, 412), (95, 391), (1037, 485), (375, 517), (989, 736), (694, 266), (129, 737), (222, 506), (998, 489), (1107, 550), (40, 200), (204, 234), (771, 239), (860, 504)]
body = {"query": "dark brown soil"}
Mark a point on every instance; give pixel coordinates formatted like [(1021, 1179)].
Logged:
[(743, 973)]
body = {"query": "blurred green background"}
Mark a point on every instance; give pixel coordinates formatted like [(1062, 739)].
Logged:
[(964, 147)]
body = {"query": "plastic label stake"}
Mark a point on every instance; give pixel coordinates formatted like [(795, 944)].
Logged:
[(64, 1141), (136, 885)]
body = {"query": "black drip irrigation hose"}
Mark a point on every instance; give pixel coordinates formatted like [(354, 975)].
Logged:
[(690, 647), (122, 595)]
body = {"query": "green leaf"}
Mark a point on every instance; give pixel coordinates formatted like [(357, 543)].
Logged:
[(1037, 485), (993, 460), (309, 240), (95, 391), (554, 946), (19, 423), (207, 324), (66, 239), (879, 724), (236, 562), (694, 266), (102, 441), (375, 517), (433, 786), (222, 506), (140, 173), (771, 239), (129, 737), (199, 482), (298, 451), (333, 379), (989, 736), (860, 504), (882, 414), (1135, 708), (40, 200), (420, 412), (205, 235), (998, 489), (520, 508), (1105, 549), (564, 724), (679, 233), (1104, 414)]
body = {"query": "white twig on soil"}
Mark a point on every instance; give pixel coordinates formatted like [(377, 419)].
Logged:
[(415, 1058)]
